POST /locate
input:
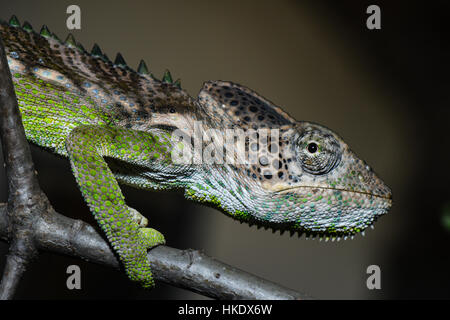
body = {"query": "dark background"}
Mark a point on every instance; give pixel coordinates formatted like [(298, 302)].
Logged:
[(384, 91)]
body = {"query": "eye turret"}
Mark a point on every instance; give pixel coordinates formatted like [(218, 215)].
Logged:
[(317, 153)]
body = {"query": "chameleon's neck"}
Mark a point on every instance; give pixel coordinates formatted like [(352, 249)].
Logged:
[(232, 195)]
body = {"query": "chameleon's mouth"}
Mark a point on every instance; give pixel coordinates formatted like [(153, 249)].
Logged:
[(387, 196), (377, 205)]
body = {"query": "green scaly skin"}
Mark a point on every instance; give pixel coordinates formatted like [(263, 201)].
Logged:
[(115, 125), (87, 145)]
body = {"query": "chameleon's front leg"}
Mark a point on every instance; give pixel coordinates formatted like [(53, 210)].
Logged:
[(86, 147)]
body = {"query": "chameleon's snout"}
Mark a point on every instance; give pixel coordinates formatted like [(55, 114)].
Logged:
[(363, 179)]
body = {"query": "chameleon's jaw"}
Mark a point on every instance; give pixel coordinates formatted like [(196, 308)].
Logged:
[(313, 210), (332, 212), (327, 232), (386, 196)]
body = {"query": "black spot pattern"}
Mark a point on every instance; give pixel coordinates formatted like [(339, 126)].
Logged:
[(238, 105)]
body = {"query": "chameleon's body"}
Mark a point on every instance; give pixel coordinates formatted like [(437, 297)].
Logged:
[(115, 125)]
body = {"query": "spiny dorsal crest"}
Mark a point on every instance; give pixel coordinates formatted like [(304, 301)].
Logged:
[(95, 52)]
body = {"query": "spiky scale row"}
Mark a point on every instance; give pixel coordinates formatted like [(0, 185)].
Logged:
[(96, 51), (307, 235), (167, 78), (72, 43)]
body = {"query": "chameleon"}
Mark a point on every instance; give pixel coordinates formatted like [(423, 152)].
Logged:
[(119, 125)]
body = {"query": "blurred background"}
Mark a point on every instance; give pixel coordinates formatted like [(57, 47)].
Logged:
[(384, 91)]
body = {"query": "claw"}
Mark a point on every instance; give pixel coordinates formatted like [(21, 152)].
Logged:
[(139, 218)]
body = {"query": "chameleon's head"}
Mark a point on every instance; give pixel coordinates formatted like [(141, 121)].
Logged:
[(313, 182), (302, 177)]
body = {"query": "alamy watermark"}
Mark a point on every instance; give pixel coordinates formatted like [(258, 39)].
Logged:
[(374, 280), (74, 20), (373, 22), (231, 146), (74, 279)]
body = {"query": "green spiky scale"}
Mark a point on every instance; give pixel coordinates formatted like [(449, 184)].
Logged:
[(14, 22), (120, 61), (27, 26), (45, 32), (96, 51), (142, 68), (167, 77), (177, 83), (80, 46), (70, 40)]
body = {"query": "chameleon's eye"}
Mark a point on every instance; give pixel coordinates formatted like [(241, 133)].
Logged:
[(312, 147), (317, 154)]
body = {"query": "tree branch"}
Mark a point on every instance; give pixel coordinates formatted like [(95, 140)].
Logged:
[(189, 269), (30, 223), (25, 198)]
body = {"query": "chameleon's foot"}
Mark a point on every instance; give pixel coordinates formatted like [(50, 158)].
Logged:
[(138, 268), (151, 237), (139, 218)]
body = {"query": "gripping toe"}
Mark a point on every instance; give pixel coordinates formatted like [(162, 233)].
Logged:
[(151, 237)]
